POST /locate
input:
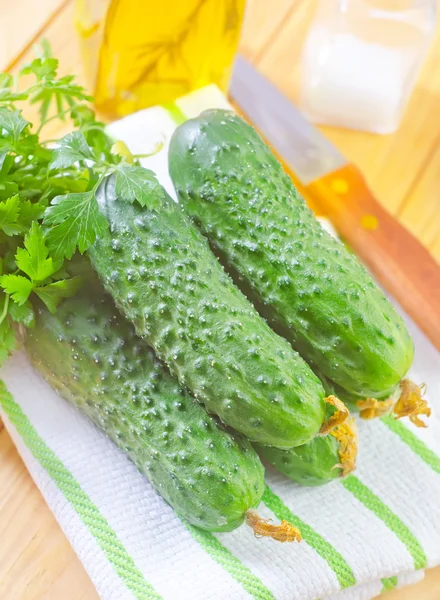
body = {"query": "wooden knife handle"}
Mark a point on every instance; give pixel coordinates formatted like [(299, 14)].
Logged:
[(398, 261)]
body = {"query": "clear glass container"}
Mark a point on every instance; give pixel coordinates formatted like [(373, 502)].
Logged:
[(139, 53), (361, 59)]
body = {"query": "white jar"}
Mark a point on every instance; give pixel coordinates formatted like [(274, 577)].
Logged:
[(361, 59)]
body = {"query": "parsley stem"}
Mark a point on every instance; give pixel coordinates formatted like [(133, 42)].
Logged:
[(98, 183), (5, 309), (59, 115)]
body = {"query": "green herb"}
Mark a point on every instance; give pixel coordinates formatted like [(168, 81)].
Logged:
[(136, 183), (48, 207), (17, 287), (27, 186), (9, 212), (74, 219)]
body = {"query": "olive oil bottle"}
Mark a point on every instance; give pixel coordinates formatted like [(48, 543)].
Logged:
[(139, 53)]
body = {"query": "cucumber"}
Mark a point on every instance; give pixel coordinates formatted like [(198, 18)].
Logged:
[(210, 476), (367, 408), (319, 461), (314, 463), (308, 286), (166, 281)]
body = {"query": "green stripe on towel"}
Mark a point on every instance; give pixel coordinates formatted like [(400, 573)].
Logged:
[(389, 583), (224, 557), (89, 513), (385, 514), (336, 561), (101, 530), (414, 442)]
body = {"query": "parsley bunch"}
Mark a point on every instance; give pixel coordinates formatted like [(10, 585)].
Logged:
[(48, 208)]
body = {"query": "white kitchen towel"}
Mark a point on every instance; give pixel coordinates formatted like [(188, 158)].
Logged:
[(377, 529)]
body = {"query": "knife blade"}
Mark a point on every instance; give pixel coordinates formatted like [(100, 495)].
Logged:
[(301, 145), (337, 189)]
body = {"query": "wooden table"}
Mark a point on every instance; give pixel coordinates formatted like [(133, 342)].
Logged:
[(36, 561)]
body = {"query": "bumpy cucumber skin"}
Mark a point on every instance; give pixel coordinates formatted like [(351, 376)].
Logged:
[(308, 286), (93, 358), (312, 464), (166, 281)]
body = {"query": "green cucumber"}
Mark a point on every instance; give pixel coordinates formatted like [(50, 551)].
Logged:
[(308, 286), (210, 476), (314, 463), (319, 461), (166, 281)]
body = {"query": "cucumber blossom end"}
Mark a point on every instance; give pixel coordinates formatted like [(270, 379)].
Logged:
[(284, 532), (409, 403)]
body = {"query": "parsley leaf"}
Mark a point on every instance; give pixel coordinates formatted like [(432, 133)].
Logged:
[(53, 293), (8, 188), (6, 145), (136, 183), (42, 68), (29, 212), (34, 175), (75, 221), (34, 259), (70, 149), (96, 137), (48, 89), (12, 122), (9, 212), (18, 287), (6, 93), (6, 162), (66, 182), (22, 314), (59, 91), (6, 80)]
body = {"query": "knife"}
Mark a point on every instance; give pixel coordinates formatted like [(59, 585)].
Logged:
[(335, 188)]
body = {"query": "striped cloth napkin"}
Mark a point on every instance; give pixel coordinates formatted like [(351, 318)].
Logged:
[(377, 529)]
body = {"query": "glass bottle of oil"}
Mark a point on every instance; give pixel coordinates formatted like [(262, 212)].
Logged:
[(139, 53)]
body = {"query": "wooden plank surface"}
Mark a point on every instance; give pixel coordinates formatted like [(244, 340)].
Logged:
[(20, 22), (425, 193), (392, 164), (36, 561), (262, 25)]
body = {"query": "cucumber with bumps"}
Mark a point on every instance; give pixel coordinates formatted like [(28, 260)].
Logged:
[(304, 282), (166, 281), (91, 355), (315, 463), (319, 461)]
